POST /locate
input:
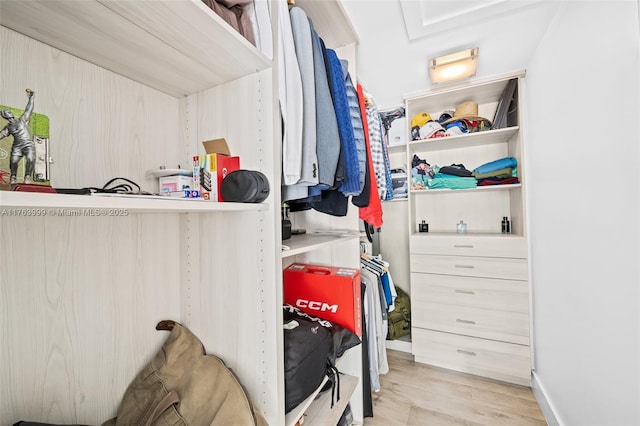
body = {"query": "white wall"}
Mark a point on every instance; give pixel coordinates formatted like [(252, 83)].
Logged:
[(582, 151), (582, 162)]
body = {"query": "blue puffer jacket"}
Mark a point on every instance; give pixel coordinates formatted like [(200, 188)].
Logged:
[(347, 138)]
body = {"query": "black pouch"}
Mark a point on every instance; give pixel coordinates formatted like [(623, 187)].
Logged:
[(245, 186), (456, 170)]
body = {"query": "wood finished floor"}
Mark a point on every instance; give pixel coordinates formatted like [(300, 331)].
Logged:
[(414, 394)]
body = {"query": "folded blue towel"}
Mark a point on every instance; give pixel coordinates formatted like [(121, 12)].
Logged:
[(492, 166)]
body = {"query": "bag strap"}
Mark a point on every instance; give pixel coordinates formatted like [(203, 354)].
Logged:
[(334, 376)]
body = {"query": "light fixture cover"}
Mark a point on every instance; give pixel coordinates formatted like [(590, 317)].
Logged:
[(455, 66)]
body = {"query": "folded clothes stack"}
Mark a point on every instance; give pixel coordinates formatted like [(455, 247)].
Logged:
[(499, 172)]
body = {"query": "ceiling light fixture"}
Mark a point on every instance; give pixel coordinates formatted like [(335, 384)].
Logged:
[(455, 66)]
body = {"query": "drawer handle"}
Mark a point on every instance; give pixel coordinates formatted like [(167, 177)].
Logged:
[(460, 351), (465, 266), (465, 292), (465, 321), (463, 245)]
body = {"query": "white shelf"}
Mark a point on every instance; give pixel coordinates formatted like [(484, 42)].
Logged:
[(396, 148), (480, 91), (314, 240), (484, 138), (318, 411), (95, 205), (403, 344), (330, 21), (178, 47), (464, 234), (477, 188)]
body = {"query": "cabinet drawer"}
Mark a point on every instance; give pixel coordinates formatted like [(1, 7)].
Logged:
[(487, 358), (489, 267), (488, 324), (486, 293), (470, 245)]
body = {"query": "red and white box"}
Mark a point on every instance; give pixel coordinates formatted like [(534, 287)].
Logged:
[(211, 168), (330, 293)]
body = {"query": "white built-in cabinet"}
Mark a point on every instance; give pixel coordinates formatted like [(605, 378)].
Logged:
[(470, 291), (130, 86)]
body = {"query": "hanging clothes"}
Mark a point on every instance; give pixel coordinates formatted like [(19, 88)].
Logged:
[(303, 43), (291, 99), (347, 140), (371, 212), (374, 324), (358, 129), (258, 11), (377, 148), (327, 135), (367, 400), (387, 165), (381, 268), (372, 269), (341, 172)]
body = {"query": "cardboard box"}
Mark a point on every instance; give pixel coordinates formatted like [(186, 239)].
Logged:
[(173, 184), (331, 293), (209, 169)]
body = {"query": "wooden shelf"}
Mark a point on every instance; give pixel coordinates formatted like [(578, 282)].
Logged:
[(314, 240), (42, 204), (487, 137), (397, 148), (320, 412), (331, 21), (178, 47), (317, 409), (477, 188), (464, 234), (481, 91)]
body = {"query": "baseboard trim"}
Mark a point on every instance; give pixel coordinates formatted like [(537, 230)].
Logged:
[(546, 406), (398, 345)]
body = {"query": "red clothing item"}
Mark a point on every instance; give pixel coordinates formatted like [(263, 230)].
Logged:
[(371, 214), (498, 181)]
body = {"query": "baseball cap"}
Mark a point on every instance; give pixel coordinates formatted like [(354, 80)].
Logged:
[(446, 115), (430, 129), (457, 128), (420, 119)]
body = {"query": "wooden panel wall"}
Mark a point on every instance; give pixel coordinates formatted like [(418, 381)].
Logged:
[(230, 299), (80, 296)]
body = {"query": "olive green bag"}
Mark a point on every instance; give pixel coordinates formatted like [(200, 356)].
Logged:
[(182, 386), (399, 320)]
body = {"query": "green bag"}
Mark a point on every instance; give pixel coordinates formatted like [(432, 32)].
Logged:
[(399, 320)]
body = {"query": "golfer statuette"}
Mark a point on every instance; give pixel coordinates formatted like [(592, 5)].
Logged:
[(23, 145)]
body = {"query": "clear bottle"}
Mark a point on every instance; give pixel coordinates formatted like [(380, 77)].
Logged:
[(461, 227)]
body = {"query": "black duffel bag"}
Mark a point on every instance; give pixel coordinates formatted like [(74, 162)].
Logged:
[(311, 348), (306, 349), (245, 186)]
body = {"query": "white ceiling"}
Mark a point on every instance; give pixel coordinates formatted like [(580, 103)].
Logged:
[(398, 37), (428, 17)]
